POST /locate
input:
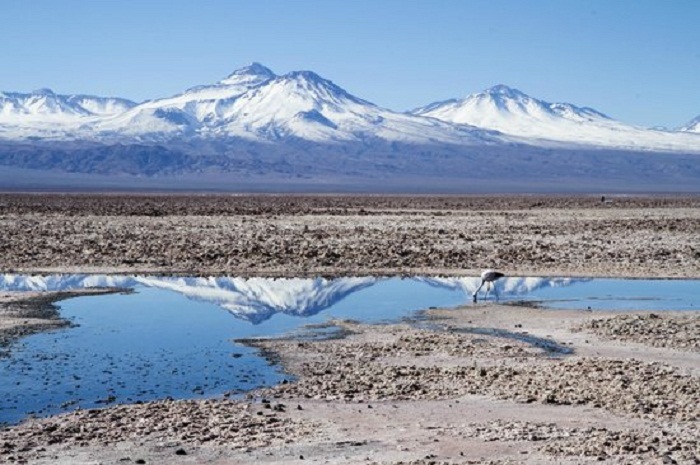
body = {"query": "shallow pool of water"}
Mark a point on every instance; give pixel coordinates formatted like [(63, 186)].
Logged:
[(623, 294), (162, 341), (175, 337)]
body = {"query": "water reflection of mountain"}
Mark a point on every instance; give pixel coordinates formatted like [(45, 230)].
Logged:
[(505, 286), (252, 299), (258, 299)]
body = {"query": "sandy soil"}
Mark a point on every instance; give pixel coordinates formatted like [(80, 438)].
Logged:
[(480, 384)]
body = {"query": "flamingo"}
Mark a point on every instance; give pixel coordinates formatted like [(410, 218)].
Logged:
[(488, 277)]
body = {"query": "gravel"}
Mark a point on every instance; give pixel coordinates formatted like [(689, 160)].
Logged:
[(651, 329), (351, 235), (311, 235), (223, 423), (373, 368), (380, 364), (352, 371), (661, 444)]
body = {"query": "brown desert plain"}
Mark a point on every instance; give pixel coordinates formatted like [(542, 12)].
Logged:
[(614, 387)]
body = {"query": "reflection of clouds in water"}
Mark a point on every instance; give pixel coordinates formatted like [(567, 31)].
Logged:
[(252, 299), (505, 286)]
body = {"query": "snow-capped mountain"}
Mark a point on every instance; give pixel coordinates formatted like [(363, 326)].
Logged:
[(502, 101), (255, 104), (515, 113), (187, 112), (692, 126), (45, 105), (297, 128), (43, 113)]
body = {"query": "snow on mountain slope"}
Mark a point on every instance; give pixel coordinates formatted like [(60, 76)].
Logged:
[(45, 105), (253, 103), (248, 77), (101, 106), (692, 126), (256, 105), (304, 105), (203, 102), (186, 112), (41, 105), (512, 112), (144, 123), (45, 114)]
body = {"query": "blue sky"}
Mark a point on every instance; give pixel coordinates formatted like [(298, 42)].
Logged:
[(637, 61)]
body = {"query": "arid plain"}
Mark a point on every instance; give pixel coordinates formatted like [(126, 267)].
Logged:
[(625, 390)]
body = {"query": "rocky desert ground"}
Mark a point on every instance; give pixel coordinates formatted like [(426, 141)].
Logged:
[(572, 387), (351, 235)]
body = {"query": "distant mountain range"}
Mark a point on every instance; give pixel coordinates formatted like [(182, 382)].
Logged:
[(256, 128), (252, 104), (514, 113)]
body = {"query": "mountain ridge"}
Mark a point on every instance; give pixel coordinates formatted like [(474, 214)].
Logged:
[(302, 129), (516, 114), (47, 102), (254, 103), (251, 103)]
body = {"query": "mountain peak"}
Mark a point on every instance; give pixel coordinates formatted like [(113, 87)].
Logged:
[(254, 68), (306, 76), (254, 73), (44, 91), (503, 90), (514, 113)]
